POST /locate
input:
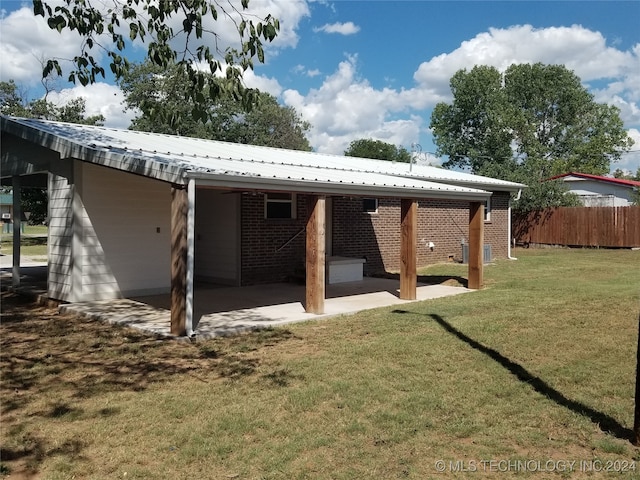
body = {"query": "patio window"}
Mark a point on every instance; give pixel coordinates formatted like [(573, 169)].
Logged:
[(487, 210), (370, 205), (280, 205)]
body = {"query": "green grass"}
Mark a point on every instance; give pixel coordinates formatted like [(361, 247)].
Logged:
[(539, 365), (33, 242)]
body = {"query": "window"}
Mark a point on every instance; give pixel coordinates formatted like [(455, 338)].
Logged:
[(487, 210), (370, 205), (280, 205)]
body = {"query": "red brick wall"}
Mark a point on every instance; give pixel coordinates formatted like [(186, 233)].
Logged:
[(443, 222), (260, 238), (375, 237)]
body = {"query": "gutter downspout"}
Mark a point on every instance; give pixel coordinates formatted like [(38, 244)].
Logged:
[(509, 226), (191, 220)]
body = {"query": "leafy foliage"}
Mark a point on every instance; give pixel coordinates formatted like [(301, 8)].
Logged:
[(112, 26), (527, 125), (621, 174), (13, 102), (163, 93), (377, 149)]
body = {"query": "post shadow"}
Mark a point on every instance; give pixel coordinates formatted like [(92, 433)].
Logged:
[(605, 422)]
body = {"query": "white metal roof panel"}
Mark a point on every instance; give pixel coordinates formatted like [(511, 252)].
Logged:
[(172, 158)]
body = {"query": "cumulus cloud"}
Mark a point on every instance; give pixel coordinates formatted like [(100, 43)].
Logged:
[(348, 28), (28, 42), (262, 83), (630, 161), (100, 99), (302, 70), (579, 49), (346, 108)]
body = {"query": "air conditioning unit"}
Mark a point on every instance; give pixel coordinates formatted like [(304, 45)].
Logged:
[(486, 253), (6, 216)]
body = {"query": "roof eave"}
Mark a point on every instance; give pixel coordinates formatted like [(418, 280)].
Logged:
[(241, 182), (99, 156), (494, 187)]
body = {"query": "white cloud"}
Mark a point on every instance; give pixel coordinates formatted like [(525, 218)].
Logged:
[(579, 49), (262, 83), (302, 70), (289, 14), (100, 98), (630, 161), (27, 42), (348, 28), (346, 108)]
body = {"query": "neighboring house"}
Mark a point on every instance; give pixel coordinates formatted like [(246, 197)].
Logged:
[(598, 191), (6, 207), (133, 213)]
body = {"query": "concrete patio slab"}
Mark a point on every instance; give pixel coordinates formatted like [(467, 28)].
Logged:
[(222, 311)]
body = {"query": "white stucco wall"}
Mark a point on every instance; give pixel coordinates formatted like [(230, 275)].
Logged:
[(124, 232)]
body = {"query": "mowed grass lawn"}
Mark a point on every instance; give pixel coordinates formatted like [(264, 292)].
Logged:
[(537, 368)]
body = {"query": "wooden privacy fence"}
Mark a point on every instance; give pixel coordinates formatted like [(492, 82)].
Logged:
[(580, 226)]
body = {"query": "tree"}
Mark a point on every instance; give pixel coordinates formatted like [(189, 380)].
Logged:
[(527, 125), (621, 174), (151, 22), (150, 89), (377, 149), (14, 102)]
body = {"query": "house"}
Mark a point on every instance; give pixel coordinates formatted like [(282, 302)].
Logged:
[(599, 191), (135, 213), (6, 207)]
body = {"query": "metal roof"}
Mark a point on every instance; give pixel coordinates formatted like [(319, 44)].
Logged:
[(229, 165), (575, 176)]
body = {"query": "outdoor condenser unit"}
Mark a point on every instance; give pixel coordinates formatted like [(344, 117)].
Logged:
[(486, 254)]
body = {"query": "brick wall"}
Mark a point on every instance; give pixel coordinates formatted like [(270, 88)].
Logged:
[(373, 236), (376, 237), (260, 238)]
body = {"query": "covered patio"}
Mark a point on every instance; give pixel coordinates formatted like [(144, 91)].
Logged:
[(96, 176), (221, 311)]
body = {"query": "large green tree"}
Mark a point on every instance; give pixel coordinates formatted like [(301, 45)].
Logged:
[(377, 149), (184, 33), (149, 89), (526, 125)]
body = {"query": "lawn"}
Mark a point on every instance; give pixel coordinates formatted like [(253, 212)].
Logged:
[(532, 373), (33, 242)]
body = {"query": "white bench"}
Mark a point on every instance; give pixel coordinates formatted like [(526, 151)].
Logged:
[(344, 269)]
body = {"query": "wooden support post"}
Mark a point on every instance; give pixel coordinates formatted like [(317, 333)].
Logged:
[(315, 255), (408, 248), (179, 210), (17, 223), (476, 244), (636, 415)]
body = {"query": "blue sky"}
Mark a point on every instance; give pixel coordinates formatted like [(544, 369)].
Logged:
[(375, 69)]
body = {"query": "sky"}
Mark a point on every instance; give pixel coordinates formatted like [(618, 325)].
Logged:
[(375, 69)]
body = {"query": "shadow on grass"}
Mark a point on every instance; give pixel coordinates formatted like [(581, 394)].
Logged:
[(25, 241), (51, 362), (605, 422), (452, 280)]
